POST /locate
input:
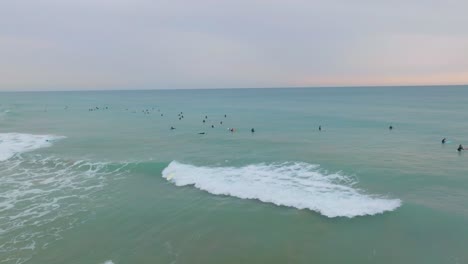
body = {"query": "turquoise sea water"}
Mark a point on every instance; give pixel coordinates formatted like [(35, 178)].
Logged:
[(116, 185)]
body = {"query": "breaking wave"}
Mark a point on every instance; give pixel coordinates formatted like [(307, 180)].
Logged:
[(299, 185), (17, 143)]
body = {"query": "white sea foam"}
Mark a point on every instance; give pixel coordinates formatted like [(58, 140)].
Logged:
[(300, 185), (37, 192), (16, 143), (108, 262)]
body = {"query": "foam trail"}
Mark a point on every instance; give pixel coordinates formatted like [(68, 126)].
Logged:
[(16, 143), (36, 192), (300, 185)]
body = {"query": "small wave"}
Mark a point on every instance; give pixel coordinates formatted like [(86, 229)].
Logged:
[(300, 185), (108, 262), (16, 143), (4, 112)]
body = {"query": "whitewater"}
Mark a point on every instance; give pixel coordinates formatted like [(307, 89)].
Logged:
[(293, 184)]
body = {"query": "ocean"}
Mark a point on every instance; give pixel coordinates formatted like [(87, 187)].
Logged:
[(100, 176)]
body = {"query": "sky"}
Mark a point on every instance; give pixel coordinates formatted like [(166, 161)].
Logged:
[(173, 44)]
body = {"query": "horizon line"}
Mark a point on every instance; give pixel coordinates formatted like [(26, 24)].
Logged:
[(242, 88)]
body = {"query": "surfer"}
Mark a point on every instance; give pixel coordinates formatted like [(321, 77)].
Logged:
[(444, 140), (201, 133), (460, 148), (203, 120), (390, 127), (212, 126), (320, 128), (172, 128), (252, 130)]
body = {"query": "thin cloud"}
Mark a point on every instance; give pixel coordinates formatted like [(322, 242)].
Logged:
[(104, 44)]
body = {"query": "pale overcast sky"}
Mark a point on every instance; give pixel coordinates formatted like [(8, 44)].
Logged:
[(156, 44)]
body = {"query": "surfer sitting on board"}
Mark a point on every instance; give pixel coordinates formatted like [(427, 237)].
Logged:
[(460, 148)]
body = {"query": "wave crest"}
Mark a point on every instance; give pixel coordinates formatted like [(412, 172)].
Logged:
[(16, 143), (299, 185)]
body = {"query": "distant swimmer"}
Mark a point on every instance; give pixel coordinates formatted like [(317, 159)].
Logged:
[(320, 128), (206, 117), (221, 122), (390, 127), (203, 120), (212, 126), (444, 140), (252, 130), (225, 116), (172, 128), (460, 148), (231, 129)]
